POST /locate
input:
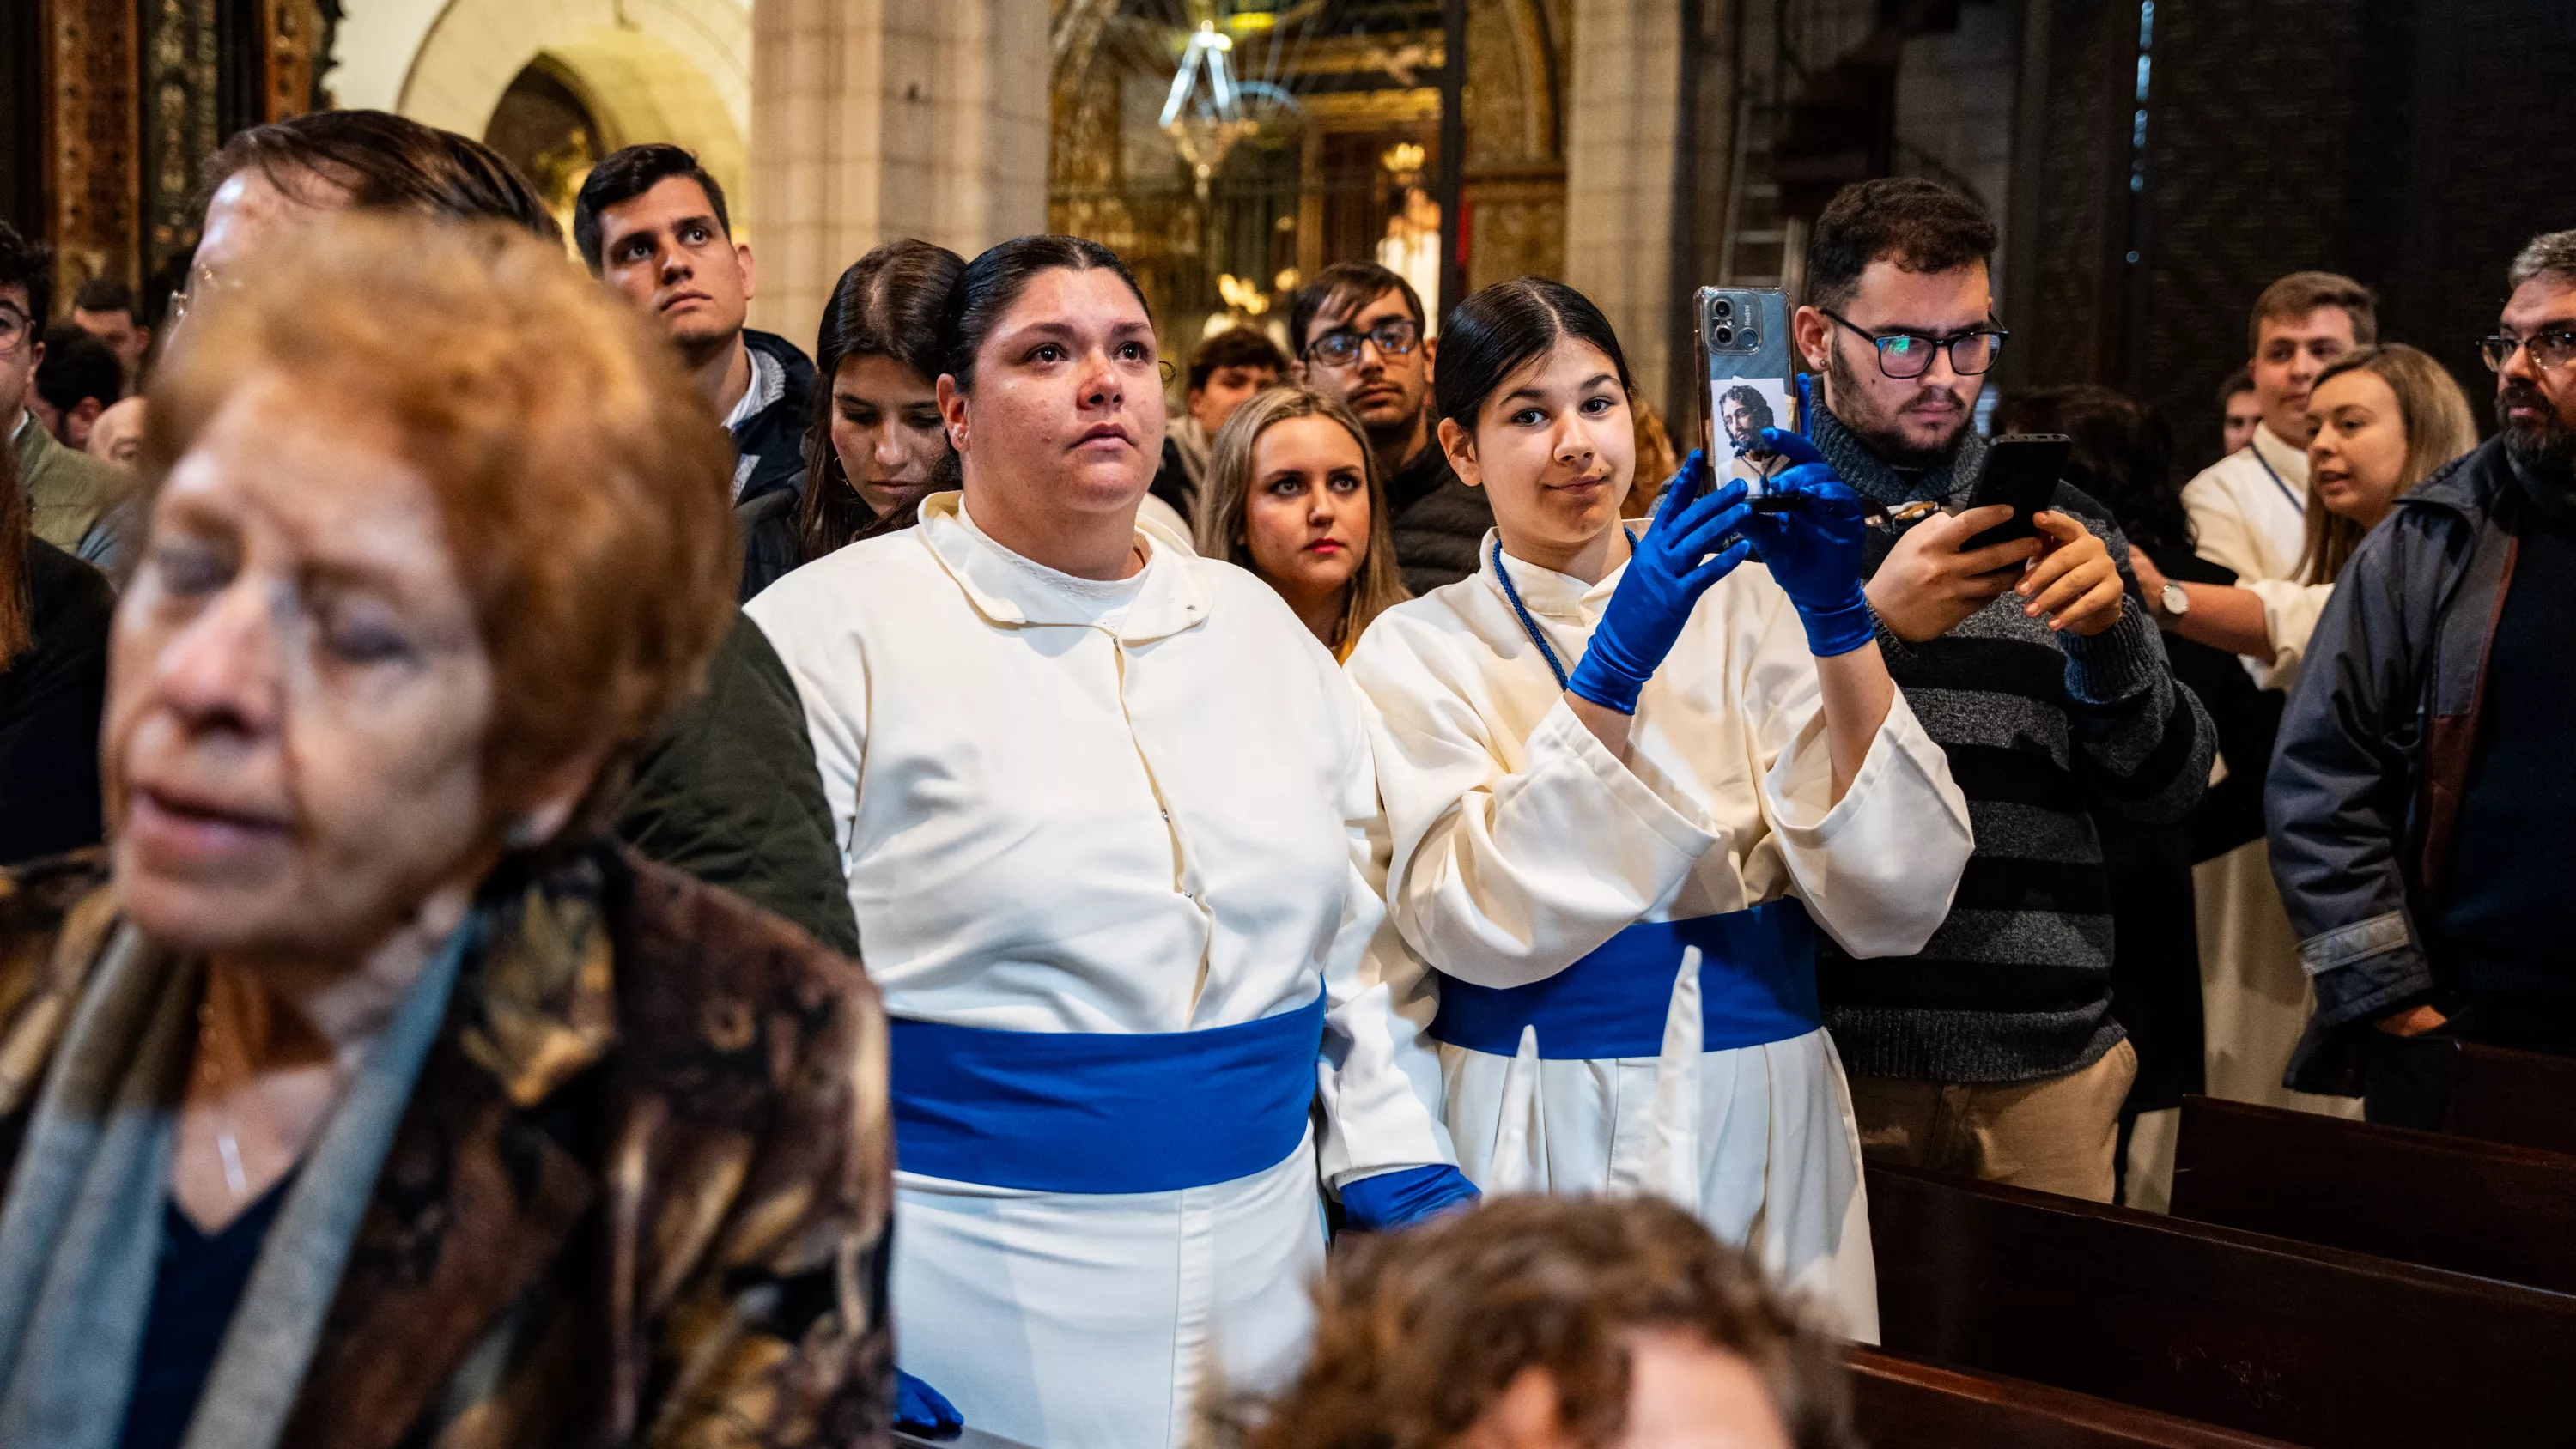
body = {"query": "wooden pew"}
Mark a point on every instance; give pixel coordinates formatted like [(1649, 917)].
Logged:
[(1904, 1403), (2315, 1345), (2527, 1099), (2418, 1197)]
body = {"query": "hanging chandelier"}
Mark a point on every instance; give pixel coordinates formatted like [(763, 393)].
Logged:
[(1205, 122)]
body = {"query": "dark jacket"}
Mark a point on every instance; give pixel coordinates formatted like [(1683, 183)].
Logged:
[(2374, 755), (769, 449), (640, 1194), (50, 698), (729, 793), (1434, 521)]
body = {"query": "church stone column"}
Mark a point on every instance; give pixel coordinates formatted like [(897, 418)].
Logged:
[(876, 119), (1623, 121)]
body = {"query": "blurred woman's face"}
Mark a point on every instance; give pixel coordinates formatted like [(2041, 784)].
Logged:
[(298, 693), (1682, 1394), (886, 431), (1307, 516), (1067, 412), (2358, 452), (1554, 449)]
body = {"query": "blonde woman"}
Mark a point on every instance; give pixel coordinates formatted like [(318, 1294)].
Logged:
[(2383, 419), (1298, 502)]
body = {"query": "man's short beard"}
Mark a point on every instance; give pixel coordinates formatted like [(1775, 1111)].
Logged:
[(1890, 445), (2545, 454)]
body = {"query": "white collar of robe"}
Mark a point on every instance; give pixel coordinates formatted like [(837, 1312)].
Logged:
[(1009, 591), (1544, 590)]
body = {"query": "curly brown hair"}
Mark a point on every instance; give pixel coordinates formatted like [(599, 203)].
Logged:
[(1419, 1333)]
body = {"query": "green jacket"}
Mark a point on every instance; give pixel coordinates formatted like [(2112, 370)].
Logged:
[(67, 489), (729, 794)]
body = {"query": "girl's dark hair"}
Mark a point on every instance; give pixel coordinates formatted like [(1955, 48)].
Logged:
[(994, 280), (1502, 327), (2123, 456), (888, 304)]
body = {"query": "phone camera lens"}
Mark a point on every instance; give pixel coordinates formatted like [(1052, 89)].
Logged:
[(1751, 337), (1723, 335), (1724, 308)]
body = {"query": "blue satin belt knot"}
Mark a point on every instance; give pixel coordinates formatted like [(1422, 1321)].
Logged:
[(1103, 1112), (1757, 984)]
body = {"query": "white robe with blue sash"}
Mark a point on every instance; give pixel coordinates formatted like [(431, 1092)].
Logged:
[(1522, 845), (1079, 808)]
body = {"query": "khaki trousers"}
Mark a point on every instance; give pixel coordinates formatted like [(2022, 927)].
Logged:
[(2056, 1134)]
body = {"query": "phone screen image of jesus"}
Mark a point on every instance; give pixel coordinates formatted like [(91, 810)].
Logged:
[(1745, 407)]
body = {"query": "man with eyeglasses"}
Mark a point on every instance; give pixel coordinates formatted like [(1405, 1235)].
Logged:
[(2423, 811), (1361, 336), (70, 494), (1993, 1051)]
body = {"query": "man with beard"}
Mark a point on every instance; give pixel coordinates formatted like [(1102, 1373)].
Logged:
[(1993, 1051), (1745, 414), (2422, 810), (1361, 336)]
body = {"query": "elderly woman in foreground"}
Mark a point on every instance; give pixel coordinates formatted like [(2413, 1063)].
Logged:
[(359, 1094)]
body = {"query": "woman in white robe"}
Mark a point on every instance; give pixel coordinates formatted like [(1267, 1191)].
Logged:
[(1110, 823), (1615, 884)]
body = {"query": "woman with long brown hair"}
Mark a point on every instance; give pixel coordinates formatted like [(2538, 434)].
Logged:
[(54, 613), (876, 447), (2384, 418), (1298, 501)]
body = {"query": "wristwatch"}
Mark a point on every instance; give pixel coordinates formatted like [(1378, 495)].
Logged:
[(2172, 602)]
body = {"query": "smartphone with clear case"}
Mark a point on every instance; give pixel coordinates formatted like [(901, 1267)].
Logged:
[(1747, 373)]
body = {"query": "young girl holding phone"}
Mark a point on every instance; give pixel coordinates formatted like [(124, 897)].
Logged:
[(1627, 777)]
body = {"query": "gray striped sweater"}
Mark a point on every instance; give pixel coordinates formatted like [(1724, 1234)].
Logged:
[(2042, 731)]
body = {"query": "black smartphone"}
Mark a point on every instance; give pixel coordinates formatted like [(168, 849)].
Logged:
[(2022, 469)]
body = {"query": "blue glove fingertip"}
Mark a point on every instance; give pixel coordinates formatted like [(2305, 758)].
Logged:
[(919, 1407)]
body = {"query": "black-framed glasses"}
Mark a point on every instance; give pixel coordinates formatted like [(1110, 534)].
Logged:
[(1904, 355), (2550, 347), (1340, 347)]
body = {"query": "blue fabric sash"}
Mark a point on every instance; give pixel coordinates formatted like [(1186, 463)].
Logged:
[(1757, 984), (1103, 1112)]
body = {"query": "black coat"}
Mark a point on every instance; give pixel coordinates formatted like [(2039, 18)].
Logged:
[(1434, 521), (770, 447), (50, 699)]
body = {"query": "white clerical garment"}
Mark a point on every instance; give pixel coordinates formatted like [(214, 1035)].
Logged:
[(1083, 808), (2249, 510), (1522, 845)]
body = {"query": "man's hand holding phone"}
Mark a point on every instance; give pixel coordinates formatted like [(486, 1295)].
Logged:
[(2073, 583), (1928, 585)]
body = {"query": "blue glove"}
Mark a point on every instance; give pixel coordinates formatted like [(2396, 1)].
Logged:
[(923, 1409), (1663, 583), (1814, 547), (1406, 1196)]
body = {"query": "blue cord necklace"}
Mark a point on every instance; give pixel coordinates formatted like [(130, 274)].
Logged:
[(1529, 625)]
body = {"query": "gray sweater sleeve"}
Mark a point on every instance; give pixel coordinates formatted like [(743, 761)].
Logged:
[(2143, 741)]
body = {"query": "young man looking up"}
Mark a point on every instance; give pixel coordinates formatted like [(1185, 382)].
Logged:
[(1225, 371), (1993, 1051), (651, 223), (104, 308), (1361, 336), (2421, 806), (2249, 510)]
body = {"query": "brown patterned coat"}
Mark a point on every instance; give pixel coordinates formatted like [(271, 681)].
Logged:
[(640, 1195)]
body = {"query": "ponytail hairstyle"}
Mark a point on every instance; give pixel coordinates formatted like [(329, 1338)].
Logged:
[(1375, 586), (994, 280), (888, 304), (1500, 328), (2439, 427), (17, 607)]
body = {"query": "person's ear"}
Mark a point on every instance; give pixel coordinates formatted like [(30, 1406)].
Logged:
[(952, 409), (1297, 371), (86, 411), (1460, 448), (1430, 356), (750, 271), (1815, 334)]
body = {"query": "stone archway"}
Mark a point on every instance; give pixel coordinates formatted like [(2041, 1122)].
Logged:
[(647, 70)]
